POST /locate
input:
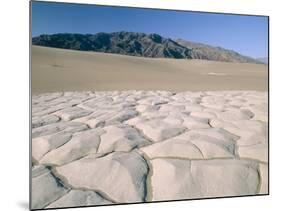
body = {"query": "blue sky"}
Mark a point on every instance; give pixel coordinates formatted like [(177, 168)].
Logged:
[(247, 35)]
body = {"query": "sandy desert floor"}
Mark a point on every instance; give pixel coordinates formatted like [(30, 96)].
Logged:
[(94, 148), (58, 70)]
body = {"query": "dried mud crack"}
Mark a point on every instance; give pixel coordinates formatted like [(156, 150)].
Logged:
[(95, 148)]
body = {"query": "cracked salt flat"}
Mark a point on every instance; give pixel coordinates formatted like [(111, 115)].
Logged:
[(95, 148)]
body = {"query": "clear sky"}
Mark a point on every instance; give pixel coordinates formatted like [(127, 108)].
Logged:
[(247, 35)]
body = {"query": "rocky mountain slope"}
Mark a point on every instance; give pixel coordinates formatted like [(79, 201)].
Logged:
[(207, 52), (263, 60), (140, 44)]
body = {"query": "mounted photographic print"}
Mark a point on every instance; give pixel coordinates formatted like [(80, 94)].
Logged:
[(136, 105)]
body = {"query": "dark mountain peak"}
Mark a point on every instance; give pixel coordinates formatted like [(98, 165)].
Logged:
[(127, 43), (139, 44), (156, 38)]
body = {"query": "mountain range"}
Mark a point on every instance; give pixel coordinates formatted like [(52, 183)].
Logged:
[(140, 44), (263, 60)]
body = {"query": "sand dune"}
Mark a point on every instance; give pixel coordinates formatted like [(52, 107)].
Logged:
[(56, 70)]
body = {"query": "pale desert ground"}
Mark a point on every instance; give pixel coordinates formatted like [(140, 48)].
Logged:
[(67, 70), (131, 143)]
